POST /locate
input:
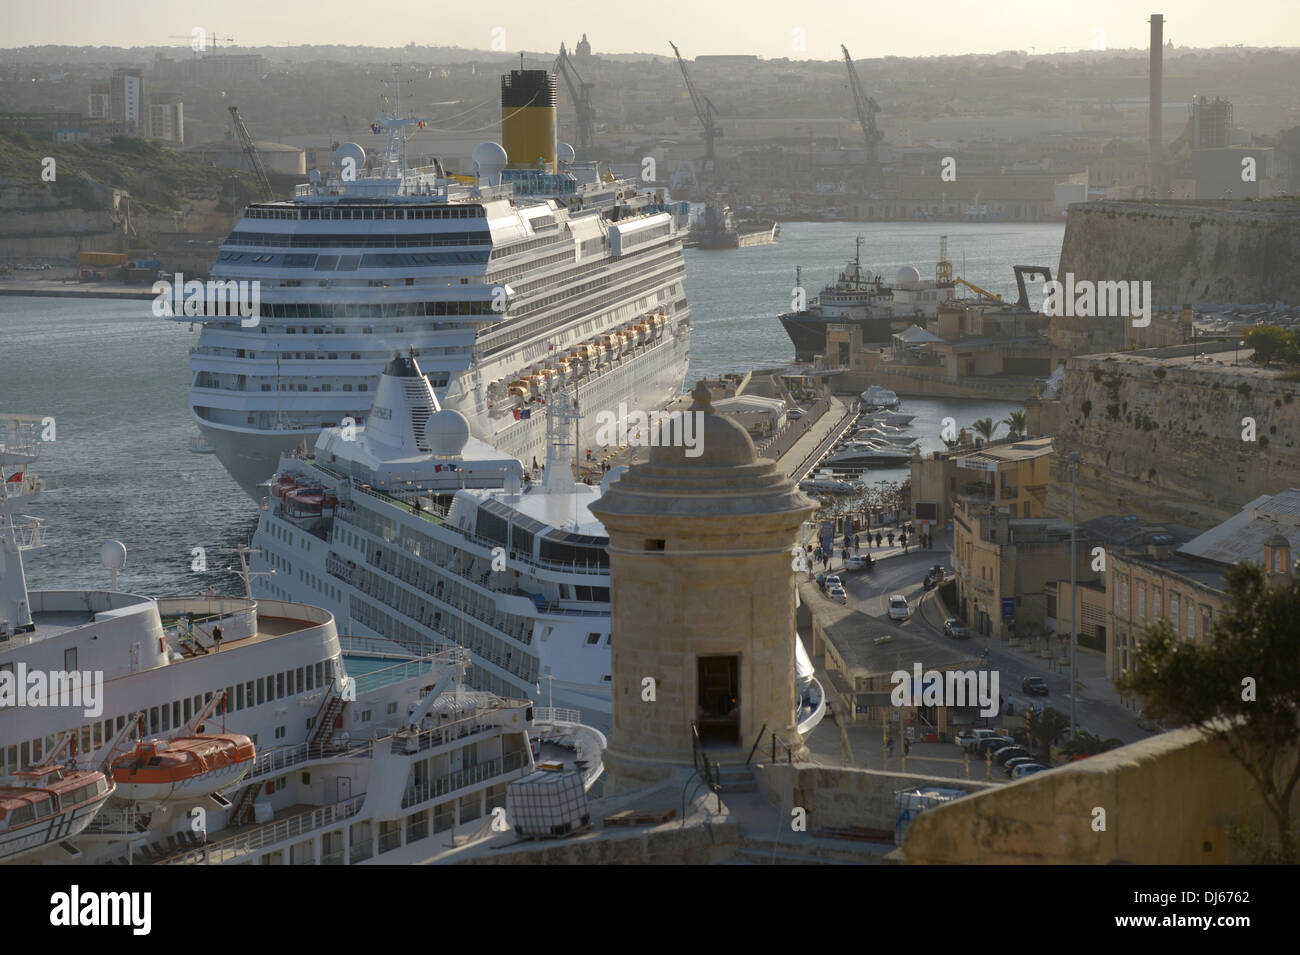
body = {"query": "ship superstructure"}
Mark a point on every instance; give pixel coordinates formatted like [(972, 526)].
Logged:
[(538, 263), (861, 297)]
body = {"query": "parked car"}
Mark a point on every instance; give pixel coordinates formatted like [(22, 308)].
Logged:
[(833, 581), (966, 738), (1027, 769), (1011, 764), (954, 629), (1035, 685), (1009, 752), (990, 744), (898, 608), (837, 593)]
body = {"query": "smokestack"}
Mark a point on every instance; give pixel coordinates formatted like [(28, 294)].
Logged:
[(1155, 145)]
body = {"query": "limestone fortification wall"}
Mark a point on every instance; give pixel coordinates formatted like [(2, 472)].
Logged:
[(1167, 801), (1190, 251), (1165, 441)]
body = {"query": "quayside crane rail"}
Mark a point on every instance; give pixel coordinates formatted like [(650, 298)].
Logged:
[(704, 111)]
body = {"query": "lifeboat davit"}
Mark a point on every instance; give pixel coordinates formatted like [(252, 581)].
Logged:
[(157, 770), (49, 805)]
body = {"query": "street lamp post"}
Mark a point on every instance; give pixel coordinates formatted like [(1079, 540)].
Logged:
[(1074, 592)]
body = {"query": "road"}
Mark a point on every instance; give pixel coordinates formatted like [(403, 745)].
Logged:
[(1098, 709)]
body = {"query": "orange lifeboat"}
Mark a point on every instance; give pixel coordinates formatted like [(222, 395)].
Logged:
[(157, 770), (49, 805)]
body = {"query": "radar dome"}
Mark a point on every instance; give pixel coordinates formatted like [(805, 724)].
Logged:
[(350, 151), (908, 277), (446, 432), (565, 153), (112, 554), (489, 160)]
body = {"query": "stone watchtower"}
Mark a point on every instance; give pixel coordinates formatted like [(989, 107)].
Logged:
[(703, 598)]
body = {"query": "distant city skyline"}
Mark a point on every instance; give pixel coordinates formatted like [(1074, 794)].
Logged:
[(810, 30)]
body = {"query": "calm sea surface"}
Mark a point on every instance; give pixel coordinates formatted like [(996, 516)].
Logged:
[(116, 379)]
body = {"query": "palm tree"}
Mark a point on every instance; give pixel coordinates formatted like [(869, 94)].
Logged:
[(1046, 728), (985, 428), (1017, 422)]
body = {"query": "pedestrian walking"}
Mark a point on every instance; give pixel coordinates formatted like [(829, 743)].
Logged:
[(889, 746), (878, 539), (907, 747), (890, 537), (856, 548)]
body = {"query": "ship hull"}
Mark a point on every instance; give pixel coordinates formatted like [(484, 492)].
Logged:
[(808, 332)]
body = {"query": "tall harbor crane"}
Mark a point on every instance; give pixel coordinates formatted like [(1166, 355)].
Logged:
[(705, 111), (867, 109), (580, 91), (254, 157)]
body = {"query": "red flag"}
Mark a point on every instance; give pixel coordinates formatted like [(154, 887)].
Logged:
[(14, 478)]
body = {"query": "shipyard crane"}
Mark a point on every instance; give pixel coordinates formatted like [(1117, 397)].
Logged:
[(705, 111), (580, 92), (867, 109), (254, 157)]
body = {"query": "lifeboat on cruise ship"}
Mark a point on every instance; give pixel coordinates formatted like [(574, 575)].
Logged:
[(564, 367), (49, 804), (611, 344), (282, 486), (521, 388), (160, 770), (309, 502)]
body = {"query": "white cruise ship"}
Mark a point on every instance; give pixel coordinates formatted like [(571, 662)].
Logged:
[(414, 531), (536, 259), (315, 748)]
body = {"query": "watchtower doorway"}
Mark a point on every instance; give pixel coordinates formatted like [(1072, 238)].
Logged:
[(718, 705)]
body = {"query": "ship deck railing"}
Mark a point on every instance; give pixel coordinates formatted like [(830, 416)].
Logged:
[(276, 761), (445, 785), (261, 837), (412, 669)]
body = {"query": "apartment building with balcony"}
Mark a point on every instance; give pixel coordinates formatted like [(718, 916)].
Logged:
[(1010, 476)]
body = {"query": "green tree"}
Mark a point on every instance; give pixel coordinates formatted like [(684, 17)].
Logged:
[(1270, 342), (985, 428), (1017, 422), (1242, 688), (1046, 728)]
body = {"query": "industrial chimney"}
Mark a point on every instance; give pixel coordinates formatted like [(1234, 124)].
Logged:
[(1155, 147)]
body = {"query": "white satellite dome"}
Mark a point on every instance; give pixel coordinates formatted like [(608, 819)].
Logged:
[(112, 554), (908, 277), (611, 476), (565, 153), (489, 159), (446, 432), (351, 151)]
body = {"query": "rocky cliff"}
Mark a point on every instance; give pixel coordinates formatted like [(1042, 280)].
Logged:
[(1162, 438), (1190, 251)]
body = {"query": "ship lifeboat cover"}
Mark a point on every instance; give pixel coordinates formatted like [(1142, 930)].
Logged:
[(153, 761)]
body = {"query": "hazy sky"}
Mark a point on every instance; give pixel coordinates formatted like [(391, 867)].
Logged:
[(765, 27)]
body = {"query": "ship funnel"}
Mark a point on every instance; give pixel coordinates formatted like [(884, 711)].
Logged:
[(529, 118)]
